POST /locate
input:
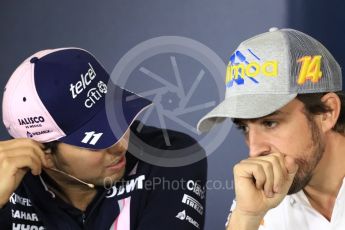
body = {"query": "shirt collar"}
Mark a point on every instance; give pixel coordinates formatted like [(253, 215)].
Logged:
[(301, 198)]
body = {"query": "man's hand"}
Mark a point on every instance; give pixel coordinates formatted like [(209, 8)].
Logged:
[(261, 183), (17, 157)]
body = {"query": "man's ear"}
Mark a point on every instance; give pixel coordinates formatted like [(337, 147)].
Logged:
[(49, 158), (329, 118)]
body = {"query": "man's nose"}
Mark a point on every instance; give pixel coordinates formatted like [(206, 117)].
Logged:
[(257, 143), (118, 148)]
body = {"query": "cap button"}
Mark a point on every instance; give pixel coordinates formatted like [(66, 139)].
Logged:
[(34, 59), (273, 29)]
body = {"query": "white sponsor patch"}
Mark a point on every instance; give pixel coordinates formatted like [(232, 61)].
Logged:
[(14, 199), (16, 226), (190, 201), (183, 216), (131, 185), (196, 189), (24, 215)]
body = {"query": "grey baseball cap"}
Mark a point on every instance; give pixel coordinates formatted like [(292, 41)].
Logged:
[(269, 70)]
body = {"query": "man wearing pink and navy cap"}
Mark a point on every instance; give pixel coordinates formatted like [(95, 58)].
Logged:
[(68, 167)]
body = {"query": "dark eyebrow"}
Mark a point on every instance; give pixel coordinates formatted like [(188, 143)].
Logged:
[(238, 121)]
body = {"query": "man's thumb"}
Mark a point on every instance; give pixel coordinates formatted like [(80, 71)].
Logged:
[(291, 167)]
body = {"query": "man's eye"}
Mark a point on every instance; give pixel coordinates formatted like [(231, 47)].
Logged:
[(270, 124), (243, 128)]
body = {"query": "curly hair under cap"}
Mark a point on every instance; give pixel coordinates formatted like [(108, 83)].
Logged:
[(52, 146), (314, 106)]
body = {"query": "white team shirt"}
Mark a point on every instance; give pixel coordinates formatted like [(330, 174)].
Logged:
[(295, 211)]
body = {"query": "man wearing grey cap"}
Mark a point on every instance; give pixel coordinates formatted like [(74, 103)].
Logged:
[(283, 90)]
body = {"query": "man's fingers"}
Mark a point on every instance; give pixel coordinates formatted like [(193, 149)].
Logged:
[(251, 171), (11, 148), (13, 164), (20, 142), (281, 158), (274, 174), (291, 165)]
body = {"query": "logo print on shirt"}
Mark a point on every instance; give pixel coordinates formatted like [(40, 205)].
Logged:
[(183, 216), (190, 201), (128, 187), (196, 188)]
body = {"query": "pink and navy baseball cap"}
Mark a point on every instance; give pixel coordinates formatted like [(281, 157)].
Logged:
[(59, 94)]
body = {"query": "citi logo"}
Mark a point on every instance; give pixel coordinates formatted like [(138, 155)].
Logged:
[(31, 120), (82, 84), (95, 94)]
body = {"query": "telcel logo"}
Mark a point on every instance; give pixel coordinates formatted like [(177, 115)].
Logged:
[(85, 80), (252, 69)]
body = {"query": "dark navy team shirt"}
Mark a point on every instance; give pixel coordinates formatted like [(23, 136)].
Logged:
[(149, 197)]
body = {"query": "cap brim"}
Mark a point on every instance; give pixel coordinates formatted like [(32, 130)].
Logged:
[(244, 106), (98, 132)]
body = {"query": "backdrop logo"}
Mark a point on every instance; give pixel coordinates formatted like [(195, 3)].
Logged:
[(239, 67), (174, 73)]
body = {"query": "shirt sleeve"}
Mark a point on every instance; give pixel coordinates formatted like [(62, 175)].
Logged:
[(5, 217), (272, 220), (176, 199)]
